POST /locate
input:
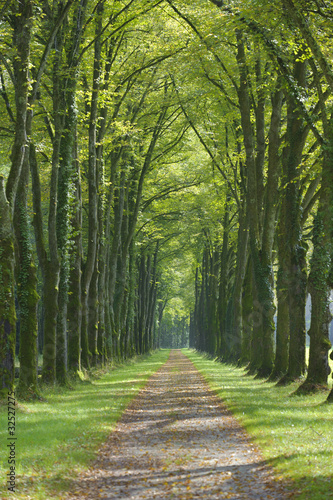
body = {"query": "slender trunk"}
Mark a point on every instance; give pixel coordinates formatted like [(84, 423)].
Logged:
[(196, 310), (236, 332), (93, 316), (152, 300), (93, 191), (120, 295), (145, 306), (282, 325), (212, 302), (260, 136), (202, 319), (141, 304), (223, 285), (247, 308), (74, 306), (131, 302), (66, 171), (102, 297), (114, 252), (104, 326)]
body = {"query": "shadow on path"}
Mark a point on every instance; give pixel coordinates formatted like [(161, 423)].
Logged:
[(177, 440)]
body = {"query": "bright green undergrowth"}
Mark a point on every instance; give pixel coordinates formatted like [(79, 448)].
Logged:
[(58, 438), (295, 433)]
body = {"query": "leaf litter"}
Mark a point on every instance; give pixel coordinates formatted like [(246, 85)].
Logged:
[(177, 440)]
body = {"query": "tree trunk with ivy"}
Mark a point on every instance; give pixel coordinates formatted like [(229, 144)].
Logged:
[(321, 274), (69, 178), (16, 194), (22, 27), (295, 253), (7, 297), (89, 265), (49, 262), (263, 300), (318, 369), (74, 306), (268, 233), (66, 172), (26, 279)]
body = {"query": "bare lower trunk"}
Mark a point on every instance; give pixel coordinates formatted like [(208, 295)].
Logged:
[(235, 336)]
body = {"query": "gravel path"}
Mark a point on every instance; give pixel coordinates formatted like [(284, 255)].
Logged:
[(177, 440)]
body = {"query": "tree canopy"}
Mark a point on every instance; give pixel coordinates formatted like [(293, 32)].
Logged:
[(166, 178)]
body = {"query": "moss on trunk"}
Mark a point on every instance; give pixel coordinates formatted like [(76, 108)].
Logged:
[(26, 279), (7, 299)]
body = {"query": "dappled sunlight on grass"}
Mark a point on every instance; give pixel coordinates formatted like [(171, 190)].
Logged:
[(294, 432)]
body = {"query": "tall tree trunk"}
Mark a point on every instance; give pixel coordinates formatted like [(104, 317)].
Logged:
[(74, 306), (93, 316), (223, 285), (268, 232), (234, 350), (131, 302), (247, 308), (22, 28), (93, 191), (251, 198), (66, 172), (49, 262), (141, 304), (7, 294), (282, 325), (321, 274), (152, 299), (67, 177), (212, 302), (297, 133), (26, 279)]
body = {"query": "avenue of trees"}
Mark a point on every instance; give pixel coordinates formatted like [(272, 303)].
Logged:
[(166, 166)]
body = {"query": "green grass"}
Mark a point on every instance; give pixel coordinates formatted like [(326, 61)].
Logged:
[(295, 433), (58, 438)]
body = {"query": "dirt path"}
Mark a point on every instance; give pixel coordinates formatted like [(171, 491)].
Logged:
[(177, 440)]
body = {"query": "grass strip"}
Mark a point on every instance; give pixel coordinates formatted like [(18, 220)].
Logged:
[(295, 433), (59, 437)]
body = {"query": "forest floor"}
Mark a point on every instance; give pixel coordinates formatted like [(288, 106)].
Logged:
[(178, 440)]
